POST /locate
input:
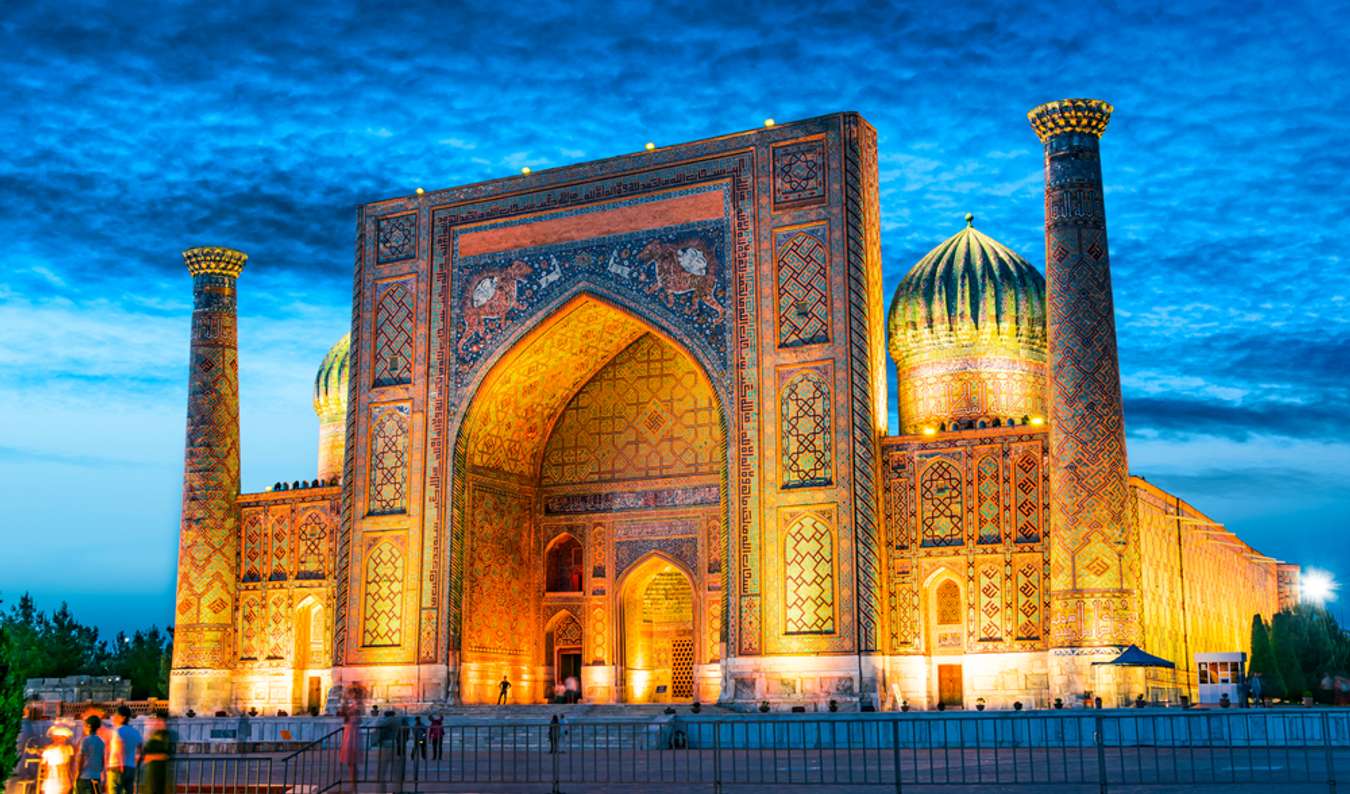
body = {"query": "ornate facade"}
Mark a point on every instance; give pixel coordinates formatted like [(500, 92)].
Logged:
[(624, 422)]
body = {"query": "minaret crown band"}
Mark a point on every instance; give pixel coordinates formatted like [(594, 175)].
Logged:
[(211, 260), (1070, 115)]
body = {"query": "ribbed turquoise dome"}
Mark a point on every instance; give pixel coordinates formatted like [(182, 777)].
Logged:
[(967, 334), (970, 285), (330, 384)]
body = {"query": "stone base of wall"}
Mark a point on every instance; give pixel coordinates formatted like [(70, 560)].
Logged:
[(786, 681), (1000, 678), (203, 691)]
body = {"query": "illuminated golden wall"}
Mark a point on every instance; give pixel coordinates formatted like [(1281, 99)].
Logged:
[(1201, 584)]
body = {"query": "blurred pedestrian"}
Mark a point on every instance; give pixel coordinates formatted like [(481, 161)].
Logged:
[(349, 752), (436, 735), (90, 758), (57, 761), (419, 737), (502, 689), (155, 755), (123, 752)]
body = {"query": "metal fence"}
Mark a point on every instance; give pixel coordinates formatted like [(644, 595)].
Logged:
[(887, 751)]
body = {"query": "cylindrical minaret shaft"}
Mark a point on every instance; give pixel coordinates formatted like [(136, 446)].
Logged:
[(1093, 578), (208, 541)]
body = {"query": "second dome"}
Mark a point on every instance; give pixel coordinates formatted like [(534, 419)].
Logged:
[(967, 334)]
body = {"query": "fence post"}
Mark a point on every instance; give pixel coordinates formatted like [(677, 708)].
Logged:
[(1326, 743), (1099, 737), (554, 737), (895, 751), (717, 755)]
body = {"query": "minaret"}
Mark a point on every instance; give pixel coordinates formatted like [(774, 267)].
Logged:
[(208, 540), (1093, 573)]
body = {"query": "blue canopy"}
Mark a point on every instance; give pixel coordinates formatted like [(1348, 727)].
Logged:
[(1134, 656)]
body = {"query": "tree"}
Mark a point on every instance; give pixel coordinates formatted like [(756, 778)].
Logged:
[(1285, 634), (1263, 660)]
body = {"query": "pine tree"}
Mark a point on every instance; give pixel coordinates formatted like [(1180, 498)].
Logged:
[(1262, 660)]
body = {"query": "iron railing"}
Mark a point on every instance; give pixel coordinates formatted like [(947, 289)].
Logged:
[(888, 751)]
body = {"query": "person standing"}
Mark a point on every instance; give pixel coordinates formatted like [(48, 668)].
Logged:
[(502, 689), (436, 735), (419, 736), (123, 752), (89, 759)]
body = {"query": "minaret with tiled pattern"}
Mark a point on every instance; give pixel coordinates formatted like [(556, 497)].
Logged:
[(1093, 579), (208, 540)]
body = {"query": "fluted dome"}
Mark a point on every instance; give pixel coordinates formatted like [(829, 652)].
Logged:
[(967, 334), (330, 384)]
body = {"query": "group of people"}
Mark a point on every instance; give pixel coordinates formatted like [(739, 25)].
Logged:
[(106, 759)]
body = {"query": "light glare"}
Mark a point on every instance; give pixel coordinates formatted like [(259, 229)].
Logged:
[(1317, 586)]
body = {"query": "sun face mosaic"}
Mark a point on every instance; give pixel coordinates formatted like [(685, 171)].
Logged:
[(621, 423)]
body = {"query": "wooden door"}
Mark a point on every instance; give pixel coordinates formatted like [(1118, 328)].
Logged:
[(315, 693), (949, 685)]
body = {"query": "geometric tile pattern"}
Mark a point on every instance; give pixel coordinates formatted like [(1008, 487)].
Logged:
[(941, 508), (1027, 497), (803, 287), (389, 459), (806, 430), (987, 486), (396, 238), (382, 616), (315, 544), (496, 601), (799, 173), (808, 575), (1028, 612), (251, 555), (649, 412), (948, 607), (279, 521), (278, 625), (393, 359), (516, 404), (251, 628), (990, 609)]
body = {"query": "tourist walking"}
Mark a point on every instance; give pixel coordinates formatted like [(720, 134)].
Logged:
[(89, 759), (436, 736), (123, 753), (349, 752), (502, 689), (155, 754)]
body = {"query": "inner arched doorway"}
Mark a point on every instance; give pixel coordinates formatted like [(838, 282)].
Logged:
[(591, 458), (657, 640)]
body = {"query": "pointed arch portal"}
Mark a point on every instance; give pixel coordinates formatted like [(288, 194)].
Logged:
[(589, 476)]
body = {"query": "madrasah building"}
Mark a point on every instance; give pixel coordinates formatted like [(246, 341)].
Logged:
[(626, 421)]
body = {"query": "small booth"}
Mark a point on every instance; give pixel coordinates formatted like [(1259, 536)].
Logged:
[(1133, 674), (1222, 674)]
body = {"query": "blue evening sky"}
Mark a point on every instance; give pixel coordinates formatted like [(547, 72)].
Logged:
[(134, 130)]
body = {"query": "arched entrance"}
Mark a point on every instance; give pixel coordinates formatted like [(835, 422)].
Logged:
[(592, 442), (308, 658), (656, 633)]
